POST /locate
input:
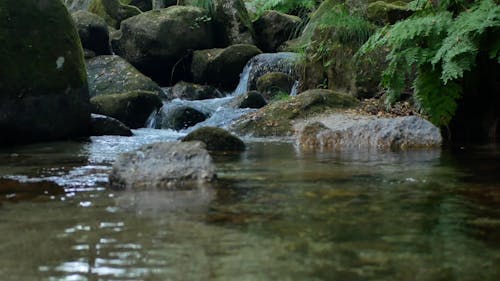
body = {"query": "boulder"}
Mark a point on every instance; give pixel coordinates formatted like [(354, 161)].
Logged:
[(343, 131), (222, 67), (108, 75), (43, 86), (189, 91), (131, 108), (158, 42), (252, 99), (77, 5), (93, 32), (274, 28), (216, 139), (232, 22), (113, 11), (163, 166), (101, 125), (274, 83), (388, 12), (179, 117), (276, 118)]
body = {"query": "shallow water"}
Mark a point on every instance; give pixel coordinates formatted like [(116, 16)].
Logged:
[(277, 214)]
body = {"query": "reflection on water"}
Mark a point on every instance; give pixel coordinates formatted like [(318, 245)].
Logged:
[(276, 214)]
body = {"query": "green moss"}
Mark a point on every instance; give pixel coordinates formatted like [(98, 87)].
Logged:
[(383, 12), (276, 118), (24, 26), (113, 11)]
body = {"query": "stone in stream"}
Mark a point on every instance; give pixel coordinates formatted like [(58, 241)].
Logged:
[(43, 84), (93, 32), (179, 117), (274, 83), (216, 139), (252, 99), (189, 91), (273, 28), (102, 125), (163, 166), (233, 23)]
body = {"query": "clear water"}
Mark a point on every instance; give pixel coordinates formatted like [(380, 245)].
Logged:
[(276, 214)]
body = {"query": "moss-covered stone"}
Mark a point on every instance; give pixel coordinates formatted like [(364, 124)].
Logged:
[(43, 84), (133, 108), (158, 42), (274, 83), (222, 67), (273, 28), (93, 32), (179, 117), (276, 118), (252, 99), (189, 91), (233, 24), (113, 11), (113, 75), (386, 12), (216, 139)]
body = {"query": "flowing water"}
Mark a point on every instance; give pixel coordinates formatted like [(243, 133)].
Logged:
[(277, 214)]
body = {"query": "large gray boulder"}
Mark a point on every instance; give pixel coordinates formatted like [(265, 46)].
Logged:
[(109, 75), (234, 25), (93, 32), (158, 41), (347, 131), (163, 166), (273, 28), (43, 86)]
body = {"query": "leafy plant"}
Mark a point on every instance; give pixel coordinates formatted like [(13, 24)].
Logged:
[(440, 43)]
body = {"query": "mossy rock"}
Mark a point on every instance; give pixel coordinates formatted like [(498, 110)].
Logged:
[(113, 11), (216, 139), (158, 42), (133, 109), (222, 67), (273, 28), (252, 99), (233, 24), (276, 118), (43, 84), (93, 32), (384, 12), (189, 91), (77, 5), (109, 75), (179, 117), (102, 125), (274, 83)]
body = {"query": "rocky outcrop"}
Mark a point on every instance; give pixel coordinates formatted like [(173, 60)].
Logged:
[(108, 75), (77, 5), (131, 108), (273, 28), (101, 125), (277, 118), (388, 12), (178, 117), (43, 86), (189, 91), (252, 99), (216, 139), (344, 131), (158, 42), (274, 83), (222, 67), (163, 166), (233, 24), (113, 11), (93, 32)]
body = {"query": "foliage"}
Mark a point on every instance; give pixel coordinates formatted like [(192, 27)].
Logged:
[(440, 44)]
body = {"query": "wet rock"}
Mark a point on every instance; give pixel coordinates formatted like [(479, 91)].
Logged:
[(157, 41), (216, 139), (190, 91), (93, 32), (342, 131), (276, 118), (232, 22), (102, 125), (222, 67), (77, 5), (15, 191), (113, 11), (43, 86), (133, 108), (273, 28), (163, 166), (252, 99), (274, 83), (179, 117), (110, 75)]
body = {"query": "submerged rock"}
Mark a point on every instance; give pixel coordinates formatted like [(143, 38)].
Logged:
[(273, 28), (109, 75), (276, 118), (93, 32), (222, 67), (216, 139), (43, 86), (342, 131), (131, 108), (102, 125), (189, 91), (157, 41), (163, 166)]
